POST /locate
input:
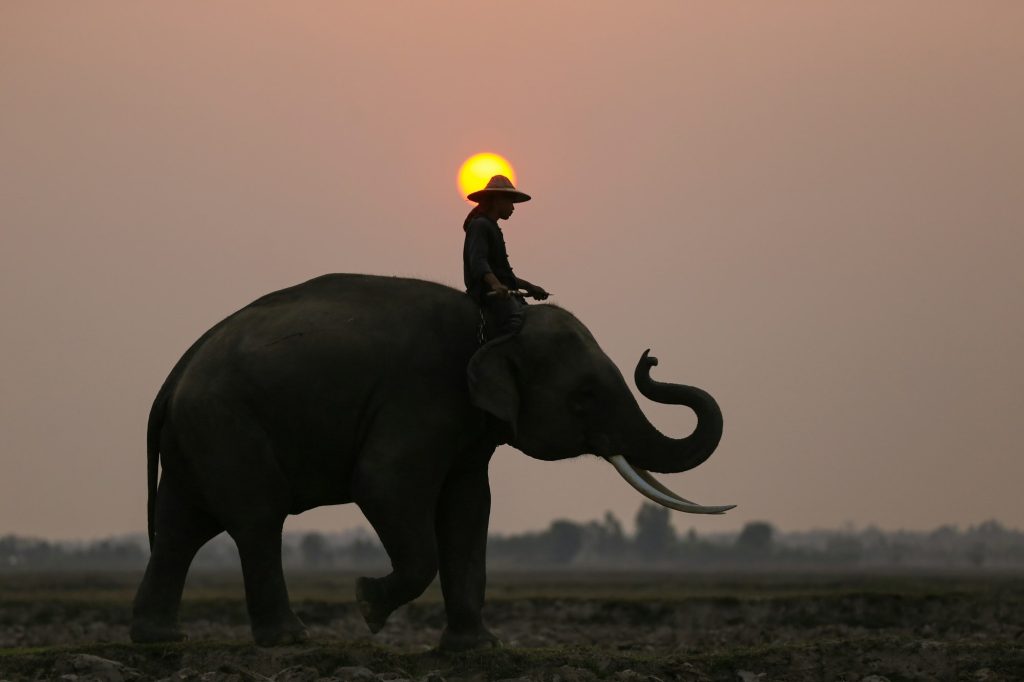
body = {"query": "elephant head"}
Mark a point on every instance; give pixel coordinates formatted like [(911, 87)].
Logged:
[(561, 396)]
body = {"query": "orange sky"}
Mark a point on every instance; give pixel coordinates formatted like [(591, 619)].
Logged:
[(812, 210)]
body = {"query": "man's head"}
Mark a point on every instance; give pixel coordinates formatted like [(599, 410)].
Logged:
[(499, 208), (497, 201)]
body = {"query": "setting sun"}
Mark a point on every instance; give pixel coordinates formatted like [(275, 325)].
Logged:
[(479, 168)]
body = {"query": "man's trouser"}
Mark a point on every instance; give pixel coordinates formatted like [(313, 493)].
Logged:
[(503, 315)]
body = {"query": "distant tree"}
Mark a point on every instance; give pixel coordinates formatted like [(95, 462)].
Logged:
[(110, 553), (603, 541), (991, 528), (655, 536), (315, 552), (523, 549), (976, 554), (613, 539), (564, 540), (943, 535), (756, 536), (897, 552), (366, 552), (844, 548)]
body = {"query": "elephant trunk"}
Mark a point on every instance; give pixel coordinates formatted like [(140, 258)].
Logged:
[(651, 450)]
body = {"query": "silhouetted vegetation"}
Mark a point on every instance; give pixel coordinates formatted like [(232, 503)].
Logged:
[(593, 544), (655, 537), (756, 538)]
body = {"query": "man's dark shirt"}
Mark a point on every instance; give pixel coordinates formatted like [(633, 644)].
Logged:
[(483, 252)]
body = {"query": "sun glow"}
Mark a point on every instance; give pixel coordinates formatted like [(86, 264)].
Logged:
[(479, 168)]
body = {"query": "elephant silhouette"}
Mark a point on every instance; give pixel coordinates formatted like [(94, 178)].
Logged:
[(376, 390)]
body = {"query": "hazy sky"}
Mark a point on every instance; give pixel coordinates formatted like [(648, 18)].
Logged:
[(812, 209)]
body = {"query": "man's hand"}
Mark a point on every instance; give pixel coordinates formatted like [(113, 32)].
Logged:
[(531, 289), (538, 292), (498, 290)]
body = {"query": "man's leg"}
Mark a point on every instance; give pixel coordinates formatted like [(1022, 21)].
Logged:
[(505, 316)]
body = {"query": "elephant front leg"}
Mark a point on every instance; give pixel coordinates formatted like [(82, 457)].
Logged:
[(463, 512), (402, 514)]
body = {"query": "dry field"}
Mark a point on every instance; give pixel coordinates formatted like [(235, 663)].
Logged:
[(565, 626)]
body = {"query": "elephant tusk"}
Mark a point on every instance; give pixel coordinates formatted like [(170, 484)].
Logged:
[(657, 485), (651, 488)]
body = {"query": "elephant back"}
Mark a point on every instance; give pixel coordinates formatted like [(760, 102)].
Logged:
[(336, 323)]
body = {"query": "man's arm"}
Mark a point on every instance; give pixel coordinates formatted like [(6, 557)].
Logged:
[(496, 286), (477, 248)]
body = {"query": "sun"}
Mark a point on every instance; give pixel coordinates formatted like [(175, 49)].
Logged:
[(479, 168)]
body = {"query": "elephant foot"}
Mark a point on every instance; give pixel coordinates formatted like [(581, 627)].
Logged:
[(368, 597), (293, 631), (454, 641), (148, 632)]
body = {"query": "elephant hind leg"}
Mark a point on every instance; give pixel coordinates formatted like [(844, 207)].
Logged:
[(266, 594), (182, 527), (238, 468)]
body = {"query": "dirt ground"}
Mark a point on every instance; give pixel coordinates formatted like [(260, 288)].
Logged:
[(563, 627)]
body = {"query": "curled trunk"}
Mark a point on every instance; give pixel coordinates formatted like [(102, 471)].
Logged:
[(649, 449)]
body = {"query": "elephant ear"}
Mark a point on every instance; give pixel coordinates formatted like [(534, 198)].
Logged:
[(492, 381)]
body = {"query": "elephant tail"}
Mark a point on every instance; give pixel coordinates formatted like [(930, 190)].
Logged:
[(156, 422), (158, 414)]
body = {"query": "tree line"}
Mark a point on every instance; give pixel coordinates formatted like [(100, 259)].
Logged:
[(602, 543)]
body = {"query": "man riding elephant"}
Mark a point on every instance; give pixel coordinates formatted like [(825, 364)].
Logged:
[(487, 272), (373, 390)]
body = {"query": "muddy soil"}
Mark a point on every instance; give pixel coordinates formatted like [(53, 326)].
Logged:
[(561, 627)]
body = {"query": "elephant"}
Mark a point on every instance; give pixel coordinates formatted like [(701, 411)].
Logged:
[(376, 390)]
